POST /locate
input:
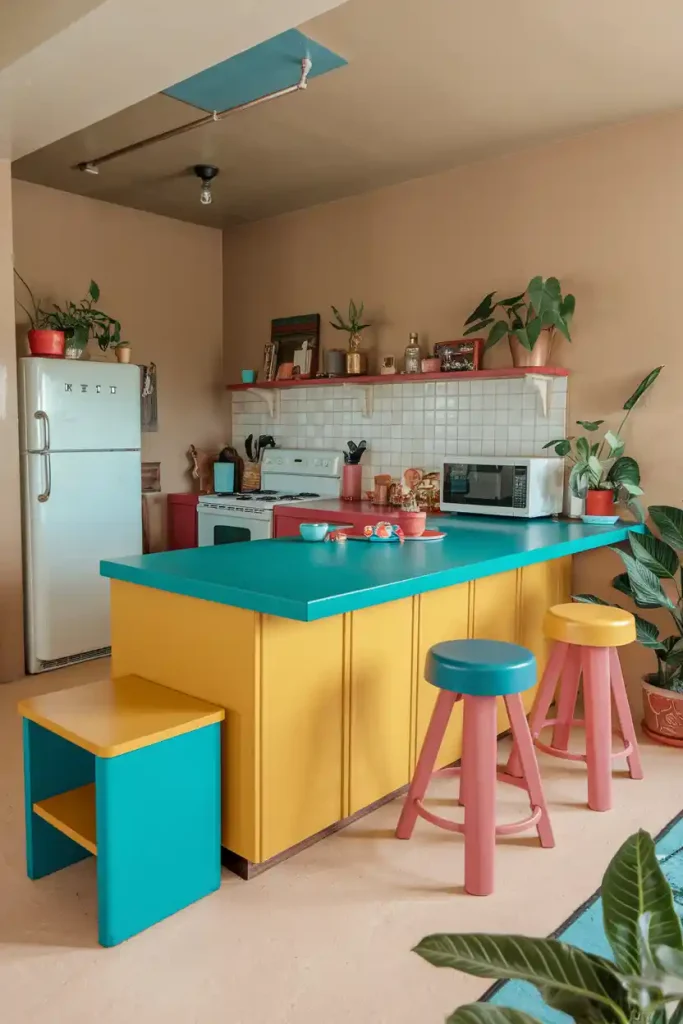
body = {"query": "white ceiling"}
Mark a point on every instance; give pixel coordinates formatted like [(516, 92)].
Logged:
[(428, 85)]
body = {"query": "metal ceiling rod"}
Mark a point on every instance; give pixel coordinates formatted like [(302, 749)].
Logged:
[(92, 166)]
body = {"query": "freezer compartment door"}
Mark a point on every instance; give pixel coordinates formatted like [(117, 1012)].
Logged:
[(81, 405), (78, 509)]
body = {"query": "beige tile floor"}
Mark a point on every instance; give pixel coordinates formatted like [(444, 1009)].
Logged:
[(324, 938)]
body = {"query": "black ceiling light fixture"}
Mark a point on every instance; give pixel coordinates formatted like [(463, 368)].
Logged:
[(206, 173)]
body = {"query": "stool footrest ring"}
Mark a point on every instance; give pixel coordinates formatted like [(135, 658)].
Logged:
[(567, 755), (501, 830)]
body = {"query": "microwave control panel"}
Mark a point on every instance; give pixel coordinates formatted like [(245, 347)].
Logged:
[(519, 487)]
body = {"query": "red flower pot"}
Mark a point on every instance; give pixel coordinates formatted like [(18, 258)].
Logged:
[(412, 523), (46, 343), (599, 503), (662, 714)]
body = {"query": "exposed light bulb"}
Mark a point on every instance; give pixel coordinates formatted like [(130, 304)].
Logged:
[(205, 197), (206, 173)]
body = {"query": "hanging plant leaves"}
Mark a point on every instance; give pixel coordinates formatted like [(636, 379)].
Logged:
[(645, 383)]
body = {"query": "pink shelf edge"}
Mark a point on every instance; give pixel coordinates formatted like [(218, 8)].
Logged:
[(403, 378)]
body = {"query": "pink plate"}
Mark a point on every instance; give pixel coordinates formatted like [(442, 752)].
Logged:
[(428, 535)]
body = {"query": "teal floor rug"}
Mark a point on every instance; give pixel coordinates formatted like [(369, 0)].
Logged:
[(584, 929)]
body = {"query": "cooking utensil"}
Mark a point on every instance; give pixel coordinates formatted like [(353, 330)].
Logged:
[(248, 447), (355, 452)]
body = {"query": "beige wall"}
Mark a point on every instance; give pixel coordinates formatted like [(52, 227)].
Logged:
[(604, 212), (11, 629), (162, 279)]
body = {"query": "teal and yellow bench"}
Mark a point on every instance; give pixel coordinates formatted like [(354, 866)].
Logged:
[(128, 771)]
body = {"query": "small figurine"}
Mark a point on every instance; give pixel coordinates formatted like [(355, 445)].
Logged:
[(336, 535), (384, 532)]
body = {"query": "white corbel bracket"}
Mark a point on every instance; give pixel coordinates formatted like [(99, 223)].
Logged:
[(367, 394), (541, 382), (271, 398)]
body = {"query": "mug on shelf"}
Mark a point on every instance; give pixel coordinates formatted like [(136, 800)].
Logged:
[(248, 376)]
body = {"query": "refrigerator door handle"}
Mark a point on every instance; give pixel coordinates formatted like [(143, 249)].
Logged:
[(40, 415), (44, 495)]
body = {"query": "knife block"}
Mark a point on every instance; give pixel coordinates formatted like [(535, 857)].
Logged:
[(251, 477)]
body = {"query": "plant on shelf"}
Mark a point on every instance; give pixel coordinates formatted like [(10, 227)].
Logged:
[(653, 579), (353, 327), (42, 339), (529, 320), (642, 982), (600, 471), (81, 321)]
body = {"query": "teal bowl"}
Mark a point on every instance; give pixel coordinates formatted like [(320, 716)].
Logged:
[(314, 531)]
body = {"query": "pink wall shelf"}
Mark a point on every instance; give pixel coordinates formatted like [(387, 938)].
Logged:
[(404, 378)]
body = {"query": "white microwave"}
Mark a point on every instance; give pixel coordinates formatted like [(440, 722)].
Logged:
[(502, 485)]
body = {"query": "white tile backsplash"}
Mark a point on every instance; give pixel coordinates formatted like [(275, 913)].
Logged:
[(412, 424)]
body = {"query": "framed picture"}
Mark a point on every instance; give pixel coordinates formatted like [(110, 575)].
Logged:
[(459, 355), (270, 360), (297, 341)]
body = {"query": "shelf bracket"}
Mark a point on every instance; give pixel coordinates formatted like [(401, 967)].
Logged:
[(271, 398), (542, 384), (367, 394)]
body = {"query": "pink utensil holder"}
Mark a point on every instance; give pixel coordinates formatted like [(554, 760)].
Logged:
[(351, 483)]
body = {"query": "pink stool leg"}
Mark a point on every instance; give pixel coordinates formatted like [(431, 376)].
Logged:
[(479, 766), (624, 714), (544, 699), (598, 712), (566, 703), (426, 761), (532, 776)]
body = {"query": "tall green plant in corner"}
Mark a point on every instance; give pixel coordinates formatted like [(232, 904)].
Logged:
[(640, 985)]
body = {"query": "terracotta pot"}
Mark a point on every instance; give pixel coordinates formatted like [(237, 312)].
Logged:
[(352, 477), (46, 343), (599, 503), (122, 353), (662, 714), (413, 524), (540, 353)]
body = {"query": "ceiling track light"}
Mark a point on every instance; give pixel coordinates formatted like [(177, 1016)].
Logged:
[(206, 173)]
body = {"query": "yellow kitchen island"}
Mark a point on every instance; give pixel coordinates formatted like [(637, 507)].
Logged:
[(316, 653)]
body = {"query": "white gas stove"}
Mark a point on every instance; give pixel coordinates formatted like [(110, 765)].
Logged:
[(288, 475)]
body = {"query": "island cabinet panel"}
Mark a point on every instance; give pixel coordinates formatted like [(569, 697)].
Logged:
[(380, 701), (495, 605), (542, 585), (301, 730), (207, 650), (442, 615)]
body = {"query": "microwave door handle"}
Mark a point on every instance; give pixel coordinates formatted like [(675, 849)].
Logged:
[(43, 416), (45, 495)]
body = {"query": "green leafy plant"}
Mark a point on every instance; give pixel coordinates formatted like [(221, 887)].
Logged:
[(81, 321), (524, 316), (36, 316), (644, 979), (652, 560), (352, 325), (592, 468)]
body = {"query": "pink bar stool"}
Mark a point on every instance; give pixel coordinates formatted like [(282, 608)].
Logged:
[(477, 672), (586, 640)]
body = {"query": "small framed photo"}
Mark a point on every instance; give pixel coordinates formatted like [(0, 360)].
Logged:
[(461, 355)]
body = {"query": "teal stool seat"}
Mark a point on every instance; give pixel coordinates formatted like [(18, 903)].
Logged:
[(480, 668)]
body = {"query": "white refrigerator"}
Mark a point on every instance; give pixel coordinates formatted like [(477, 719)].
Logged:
[(79, 435)]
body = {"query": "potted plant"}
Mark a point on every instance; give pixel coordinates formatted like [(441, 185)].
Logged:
[(355, 360), (652, 565), (529, 320), (603, 477), (642, 928), (42, 339), (80, 322)]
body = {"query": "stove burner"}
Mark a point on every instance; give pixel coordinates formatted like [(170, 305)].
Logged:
[(307, 494)]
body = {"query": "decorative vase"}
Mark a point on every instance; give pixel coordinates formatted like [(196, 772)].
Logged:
[(599, 503), (76, 341), (351, 482), (413, 524), (662, 714), (122, 352), (540, 353), (355, 359), (574, 507), (49, 344)]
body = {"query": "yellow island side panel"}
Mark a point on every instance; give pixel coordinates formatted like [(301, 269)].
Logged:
[(380, 701), (207, 650), (301, 730)]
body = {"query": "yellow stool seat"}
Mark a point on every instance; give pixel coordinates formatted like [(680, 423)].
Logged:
[(589, 625)]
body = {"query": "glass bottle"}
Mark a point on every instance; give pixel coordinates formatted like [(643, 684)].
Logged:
[(412, 355)]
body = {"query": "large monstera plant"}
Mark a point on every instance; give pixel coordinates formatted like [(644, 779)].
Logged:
[(643, 984)]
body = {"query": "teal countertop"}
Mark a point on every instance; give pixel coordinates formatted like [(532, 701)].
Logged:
[(306, 581)]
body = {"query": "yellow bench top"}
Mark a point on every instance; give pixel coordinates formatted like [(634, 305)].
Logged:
[(113, 716)]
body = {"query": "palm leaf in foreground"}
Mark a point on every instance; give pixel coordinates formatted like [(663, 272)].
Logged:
[(566, 977), (487, 1013), (634, 884)]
